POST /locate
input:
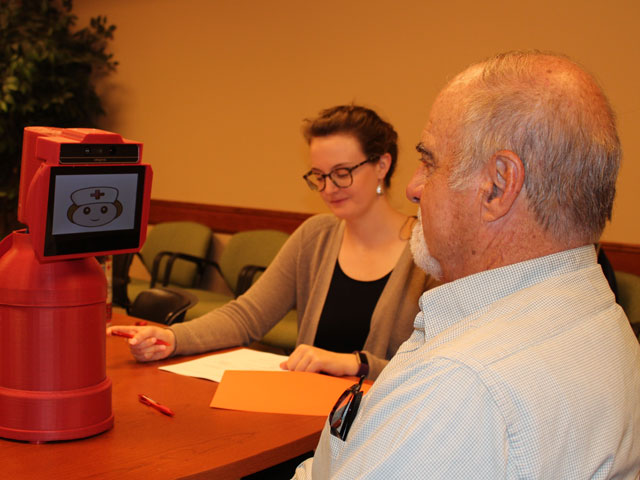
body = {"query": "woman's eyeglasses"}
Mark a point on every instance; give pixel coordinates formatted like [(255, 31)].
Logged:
[(344, 411), (341, 177)]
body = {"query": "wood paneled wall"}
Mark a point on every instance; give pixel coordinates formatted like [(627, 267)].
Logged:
[(223, 219)]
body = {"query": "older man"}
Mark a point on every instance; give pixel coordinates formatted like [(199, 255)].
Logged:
[(521, 365)]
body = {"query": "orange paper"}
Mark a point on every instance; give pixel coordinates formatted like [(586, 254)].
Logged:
[(298, 393)]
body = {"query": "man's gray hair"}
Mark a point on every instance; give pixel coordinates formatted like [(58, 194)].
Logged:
[(560, 124)]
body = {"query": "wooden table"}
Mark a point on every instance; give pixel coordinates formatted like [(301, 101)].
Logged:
[(198, 442)]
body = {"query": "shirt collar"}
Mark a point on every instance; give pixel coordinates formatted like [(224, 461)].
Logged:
[(446, 305)]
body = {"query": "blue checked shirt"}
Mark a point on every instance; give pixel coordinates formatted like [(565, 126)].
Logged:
[(526, 371)]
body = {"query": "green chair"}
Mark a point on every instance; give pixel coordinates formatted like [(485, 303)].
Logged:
[(240, 264), (190, 238), (629, 297)]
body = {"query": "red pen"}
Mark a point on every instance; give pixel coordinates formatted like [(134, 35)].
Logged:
[(117, 333), (152, 403)]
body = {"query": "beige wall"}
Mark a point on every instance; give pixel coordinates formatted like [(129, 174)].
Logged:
[(217, 89)]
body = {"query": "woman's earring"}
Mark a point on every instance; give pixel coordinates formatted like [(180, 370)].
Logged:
[(379, 189)]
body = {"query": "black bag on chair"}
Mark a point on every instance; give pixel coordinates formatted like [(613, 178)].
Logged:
[(162, 305)]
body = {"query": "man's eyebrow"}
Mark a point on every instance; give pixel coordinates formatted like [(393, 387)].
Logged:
[(422, 150)]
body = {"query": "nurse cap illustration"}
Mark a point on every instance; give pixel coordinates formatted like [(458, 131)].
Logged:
[(94, 206)]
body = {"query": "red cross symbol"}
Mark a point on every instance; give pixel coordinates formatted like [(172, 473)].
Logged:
[(97, 194)]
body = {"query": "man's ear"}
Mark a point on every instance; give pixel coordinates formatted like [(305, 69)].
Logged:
[(504, 179)]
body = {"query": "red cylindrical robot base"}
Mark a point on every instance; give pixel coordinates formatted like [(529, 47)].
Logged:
[(53, 383), (58, 415)]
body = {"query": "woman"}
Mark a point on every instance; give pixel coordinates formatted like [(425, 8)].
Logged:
[(349, 275)]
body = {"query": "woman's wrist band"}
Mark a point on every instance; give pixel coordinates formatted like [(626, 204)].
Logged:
[(363, 364)]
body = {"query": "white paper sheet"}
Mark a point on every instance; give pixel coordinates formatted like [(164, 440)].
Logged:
[(213, 366)]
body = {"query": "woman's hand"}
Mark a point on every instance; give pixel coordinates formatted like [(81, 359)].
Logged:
[(143, 344), (306, 358)]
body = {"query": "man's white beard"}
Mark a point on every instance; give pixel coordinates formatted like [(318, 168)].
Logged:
[(420, 252)]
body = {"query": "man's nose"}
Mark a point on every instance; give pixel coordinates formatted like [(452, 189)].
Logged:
[(414, 188)]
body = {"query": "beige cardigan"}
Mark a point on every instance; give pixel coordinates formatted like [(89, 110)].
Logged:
[(299, 278)]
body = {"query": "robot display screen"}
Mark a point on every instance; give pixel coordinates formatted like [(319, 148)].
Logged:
[(93, 209)]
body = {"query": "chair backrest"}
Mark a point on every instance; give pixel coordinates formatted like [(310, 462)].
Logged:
[(629, 297), (185, 237), (252, 247)]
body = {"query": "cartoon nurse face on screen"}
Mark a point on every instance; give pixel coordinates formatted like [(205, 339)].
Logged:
[(94, 206)]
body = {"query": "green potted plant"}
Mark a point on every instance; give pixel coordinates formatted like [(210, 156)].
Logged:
[(48, 72)]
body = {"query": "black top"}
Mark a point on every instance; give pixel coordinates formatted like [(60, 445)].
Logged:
[(346, 316)]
